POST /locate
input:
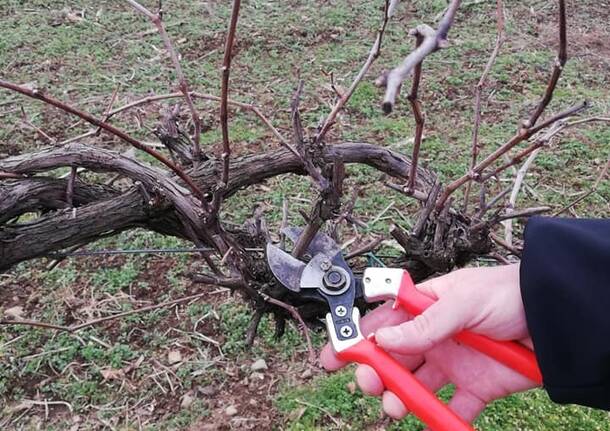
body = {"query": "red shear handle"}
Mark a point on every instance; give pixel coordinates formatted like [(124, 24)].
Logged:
[(416, 397), (509, 353)]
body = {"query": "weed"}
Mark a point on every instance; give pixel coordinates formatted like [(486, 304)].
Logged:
[(115, 279)]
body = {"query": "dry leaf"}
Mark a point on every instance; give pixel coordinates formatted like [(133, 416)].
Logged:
[(295, 415), (111, 374), (15, 312), (18, 407), (73, 16), (134, 365)]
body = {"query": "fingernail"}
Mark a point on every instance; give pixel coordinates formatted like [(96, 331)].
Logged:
[(383, 334)]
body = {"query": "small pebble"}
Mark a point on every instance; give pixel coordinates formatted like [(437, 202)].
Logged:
[(187, 400), (173, 357), (307, 374), (208, 391), (257, 376), (231, 411), (259, 365)]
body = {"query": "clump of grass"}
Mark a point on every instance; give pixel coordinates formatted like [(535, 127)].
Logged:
[(329, 403)]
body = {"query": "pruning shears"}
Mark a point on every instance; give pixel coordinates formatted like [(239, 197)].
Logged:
[(328, 277)]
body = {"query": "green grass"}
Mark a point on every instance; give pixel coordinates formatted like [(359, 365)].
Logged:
[(234, 323), (329, 404)]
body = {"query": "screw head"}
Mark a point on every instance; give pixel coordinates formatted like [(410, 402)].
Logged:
[(325, 265), (388, 280), (367, 279), (340, 311), (346, 331)]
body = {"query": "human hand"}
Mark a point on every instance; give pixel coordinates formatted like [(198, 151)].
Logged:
[(484, 300)]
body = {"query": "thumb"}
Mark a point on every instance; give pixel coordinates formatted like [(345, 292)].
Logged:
[(437, 323)]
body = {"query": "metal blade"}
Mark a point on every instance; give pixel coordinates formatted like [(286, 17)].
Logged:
[(285, 268), (321, 243), (292, 233)]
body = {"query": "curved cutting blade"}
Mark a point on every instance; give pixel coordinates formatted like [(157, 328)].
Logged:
[(321, 243), (285, 268)]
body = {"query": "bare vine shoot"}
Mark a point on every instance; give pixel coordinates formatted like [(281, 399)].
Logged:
[(121, 170)]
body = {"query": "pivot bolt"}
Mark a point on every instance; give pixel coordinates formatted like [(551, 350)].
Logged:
[(334, 280), (334, 277), (346, 331), (340, 311)]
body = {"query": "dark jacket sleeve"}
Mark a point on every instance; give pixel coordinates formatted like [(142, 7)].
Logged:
[(565, 285)]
